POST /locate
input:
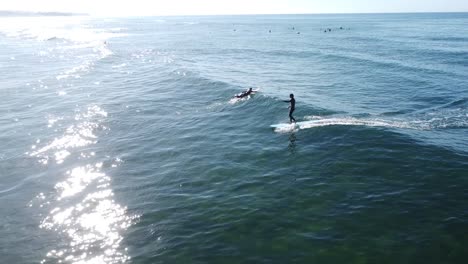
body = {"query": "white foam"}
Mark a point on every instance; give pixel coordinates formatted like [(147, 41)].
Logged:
[(344, 121), (235, 100), (351, 121), (286, 128), (119, 66), (440, 121)]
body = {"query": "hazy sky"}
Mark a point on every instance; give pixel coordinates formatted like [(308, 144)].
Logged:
[(212, 7)]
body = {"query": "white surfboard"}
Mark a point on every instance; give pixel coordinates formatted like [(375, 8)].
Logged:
[(284, 125), (297, 125)]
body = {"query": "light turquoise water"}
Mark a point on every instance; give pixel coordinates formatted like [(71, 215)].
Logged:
[(120, 142)]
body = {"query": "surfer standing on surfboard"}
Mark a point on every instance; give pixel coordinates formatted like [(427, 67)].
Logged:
[(292, 107)]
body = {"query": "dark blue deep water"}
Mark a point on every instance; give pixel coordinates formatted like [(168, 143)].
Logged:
[(119, 141)]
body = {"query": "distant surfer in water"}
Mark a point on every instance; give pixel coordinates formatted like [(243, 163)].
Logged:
[(292, 107), (245, 93)]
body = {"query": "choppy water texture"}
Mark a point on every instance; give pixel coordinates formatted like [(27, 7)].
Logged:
[(120, 142)]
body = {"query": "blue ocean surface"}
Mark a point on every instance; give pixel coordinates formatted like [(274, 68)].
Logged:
[(121, 141)]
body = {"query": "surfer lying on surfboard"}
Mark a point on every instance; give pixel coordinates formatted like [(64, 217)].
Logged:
[(245, 93), (292, 107)]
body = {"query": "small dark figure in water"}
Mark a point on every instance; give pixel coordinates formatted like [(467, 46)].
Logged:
[(292, 107), (269, 31), (245, 93)]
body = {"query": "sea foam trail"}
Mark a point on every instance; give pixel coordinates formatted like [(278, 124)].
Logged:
[(344, 121), (422, 124)]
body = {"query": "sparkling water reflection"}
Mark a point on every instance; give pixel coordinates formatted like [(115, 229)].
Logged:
[(93, 226), (81, 210)]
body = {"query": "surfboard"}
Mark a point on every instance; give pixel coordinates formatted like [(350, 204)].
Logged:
[(296, 125), (238, 99), (285, 125)]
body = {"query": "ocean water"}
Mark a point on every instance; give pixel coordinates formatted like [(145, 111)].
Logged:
[(120, 142)]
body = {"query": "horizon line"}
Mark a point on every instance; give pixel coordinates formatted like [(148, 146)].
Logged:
[(60, 13), (283, 14)]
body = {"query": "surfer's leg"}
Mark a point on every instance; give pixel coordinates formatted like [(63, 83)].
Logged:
[(291, 118)]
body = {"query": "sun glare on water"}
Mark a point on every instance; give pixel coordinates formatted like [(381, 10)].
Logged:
[(82, 212)]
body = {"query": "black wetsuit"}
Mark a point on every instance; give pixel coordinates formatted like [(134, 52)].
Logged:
[(244, 94), (291, 109)]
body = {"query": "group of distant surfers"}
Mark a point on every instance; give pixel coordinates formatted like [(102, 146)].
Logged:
[(291, 101), (324, 30)]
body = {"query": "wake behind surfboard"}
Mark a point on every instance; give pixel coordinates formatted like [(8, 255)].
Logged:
[(342, 121), (321, 123), (312, 123)]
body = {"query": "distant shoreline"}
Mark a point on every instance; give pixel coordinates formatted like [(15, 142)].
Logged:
[(4, 13)]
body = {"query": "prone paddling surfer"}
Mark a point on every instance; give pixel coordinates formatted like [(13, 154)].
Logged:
[(245, 93), (292, 107)]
